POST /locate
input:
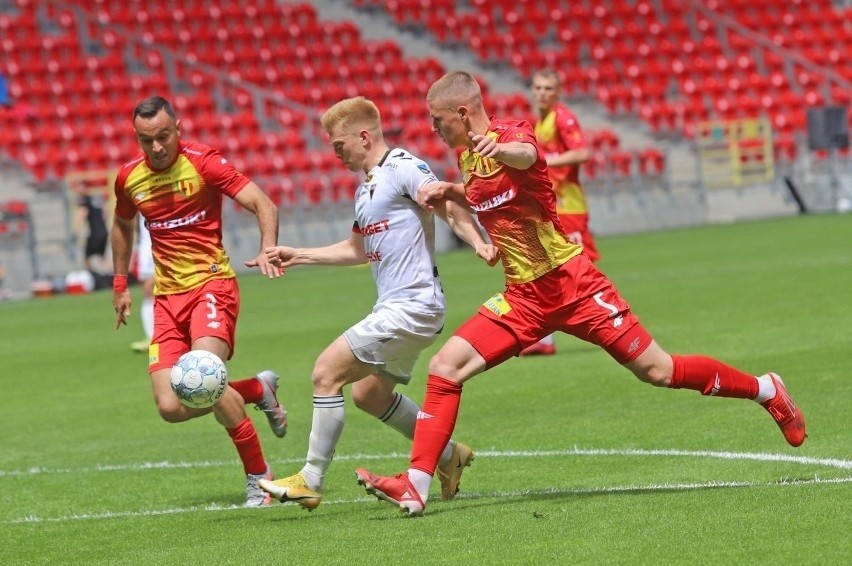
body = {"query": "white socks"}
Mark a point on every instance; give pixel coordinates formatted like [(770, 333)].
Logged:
[(402, 416), (765, 390), (326, 427), (421, 482)]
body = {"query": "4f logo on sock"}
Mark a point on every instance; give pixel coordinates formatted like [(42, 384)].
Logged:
[(716, 386), (422, 416)]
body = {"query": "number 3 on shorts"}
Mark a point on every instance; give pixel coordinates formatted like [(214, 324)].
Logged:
[(211, 306)]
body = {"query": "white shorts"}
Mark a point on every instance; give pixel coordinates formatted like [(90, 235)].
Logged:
[(144, 257), (392, 340)]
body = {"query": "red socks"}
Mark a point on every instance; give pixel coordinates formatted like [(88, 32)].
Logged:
[(250, 389), (712, 377), (245, 440), (435, 423)]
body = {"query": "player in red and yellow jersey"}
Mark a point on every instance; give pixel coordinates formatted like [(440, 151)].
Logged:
[(550, 286), (177, 187), (561, 140)]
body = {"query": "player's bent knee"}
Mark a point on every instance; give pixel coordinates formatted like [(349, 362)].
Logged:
[(173, 416), (438, 367), (441, 367), (172, 411), (327, 383)]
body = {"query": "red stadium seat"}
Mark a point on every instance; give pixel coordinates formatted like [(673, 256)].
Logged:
[(604, 140), (785, 148), (342, 186), (313, 189), (595, 166), (626, 53), (622, 163)]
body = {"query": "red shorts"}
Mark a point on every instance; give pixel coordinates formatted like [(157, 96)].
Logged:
[(179, 319), (576, 227), (574, 298)]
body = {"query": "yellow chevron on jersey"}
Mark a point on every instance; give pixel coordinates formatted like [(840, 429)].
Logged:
[(545, 130), (531, 249), (474, 164), (182, 177), (570, 199), (559, 132)]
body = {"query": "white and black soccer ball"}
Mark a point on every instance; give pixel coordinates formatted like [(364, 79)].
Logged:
[(199, 379)]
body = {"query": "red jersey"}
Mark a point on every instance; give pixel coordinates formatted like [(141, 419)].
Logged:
[(517, 207), (182, 207), (559, 132)]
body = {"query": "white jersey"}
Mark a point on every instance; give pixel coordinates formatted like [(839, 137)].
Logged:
[(399, 235), (144, 256)]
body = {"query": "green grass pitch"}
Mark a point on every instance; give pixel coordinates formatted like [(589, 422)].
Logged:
[(577, 461)]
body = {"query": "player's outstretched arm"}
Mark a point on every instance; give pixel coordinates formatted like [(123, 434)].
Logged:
[(517, 155), (345, 252), (121, 242), (432, 193), (465, 226), (258, 203), (576, 156)]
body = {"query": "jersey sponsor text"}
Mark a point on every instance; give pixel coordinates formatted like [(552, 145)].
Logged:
[(496, 201), (376, 227)]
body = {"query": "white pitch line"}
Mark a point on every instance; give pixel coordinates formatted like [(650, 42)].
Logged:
[(467, 495), (724, 455), (594, 452)]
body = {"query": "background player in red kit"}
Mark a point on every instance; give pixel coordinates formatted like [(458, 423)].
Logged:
[(177, 187), (550, 286), (561, 140)]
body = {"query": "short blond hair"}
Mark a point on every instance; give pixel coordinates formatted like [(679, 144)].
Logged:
[(456, 88), (351, 114)]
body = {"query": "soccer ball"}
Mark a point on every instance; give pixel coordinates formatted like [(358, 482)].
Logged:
[(199, 379)]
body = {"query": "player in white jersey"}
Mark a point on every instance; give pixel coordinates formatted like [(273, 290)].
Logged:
[(397, 238), (386, 215), (145, 274)]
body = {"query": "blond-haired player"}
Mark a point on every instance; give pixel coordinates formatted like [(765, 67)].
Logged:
[(396, 237)]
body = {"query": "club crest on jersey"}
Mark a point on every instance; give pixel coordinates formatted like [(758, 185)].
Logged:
[(186, 187), (498, 305), (368, 185)]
